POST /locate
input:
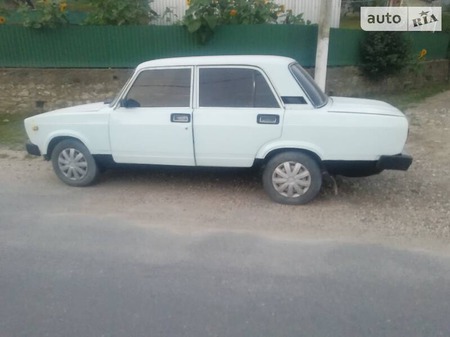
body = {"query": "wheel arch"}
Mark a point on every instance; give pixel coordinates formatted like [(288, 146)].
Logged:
[(56, 140), (277, 151)]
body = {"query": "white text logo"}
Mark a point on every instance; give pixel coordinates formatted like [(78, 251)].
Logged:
[(401, 18)]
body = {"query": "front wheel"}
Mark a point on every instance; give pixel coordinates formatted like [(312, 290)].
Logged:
[(74, 164), (292, 178)]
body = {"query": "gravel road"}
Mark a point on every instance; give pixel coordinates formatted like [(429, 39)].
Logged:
[(402, 208)]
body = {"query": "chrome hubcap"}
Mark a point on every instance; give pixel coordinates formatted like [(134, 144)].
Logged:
[(291, 179), (72, 164)]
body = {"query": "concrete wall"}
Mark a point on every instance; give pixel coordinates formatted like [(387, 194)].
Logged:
[(37, 90)]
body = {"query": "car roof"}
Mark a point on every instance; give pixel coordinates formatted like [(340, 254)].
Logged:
[(255, 60)]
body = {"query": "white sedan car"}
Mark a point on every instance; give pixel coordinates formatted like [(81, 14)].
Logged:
[(226, 111)]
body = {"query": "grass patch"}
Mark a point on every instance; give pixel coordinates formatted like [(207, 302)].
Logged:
[(12, 131), (409, 98)]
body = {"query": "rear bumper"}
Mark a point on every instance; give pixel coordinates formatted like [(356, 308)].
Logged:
[(33, 149), (398, 162)]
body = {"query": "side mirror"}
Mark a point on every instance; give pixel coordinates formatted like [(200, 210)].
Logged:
[(129, 103)]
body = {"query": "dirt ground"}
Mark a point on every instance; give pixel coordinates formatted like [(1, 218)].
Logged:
[(404, 208)]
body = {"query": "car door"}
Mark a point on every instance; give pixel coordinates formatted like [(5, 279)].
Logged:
[(153, 122), (237, 112)]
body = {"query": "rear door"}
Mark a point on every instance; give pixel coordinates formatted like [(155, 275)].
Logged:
[(236, 113)]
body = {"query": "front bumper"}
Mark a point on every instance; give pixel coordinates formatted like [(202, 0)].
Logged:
[(398, 162), (33, 149)]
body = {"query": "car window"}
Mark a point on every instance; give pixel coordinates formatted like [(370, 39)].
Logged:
[(236, 88), (161, 88), (306, 82)]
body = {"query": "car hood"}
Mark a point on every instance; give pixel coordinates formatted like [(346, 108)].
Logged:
[(79, 109), (362, 106)]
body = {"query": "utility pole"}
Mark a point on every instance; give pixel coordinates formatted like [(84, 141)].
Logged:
[(323, 41)]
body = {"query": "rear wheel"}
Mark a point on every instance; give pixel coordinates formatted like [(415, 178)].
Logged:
[(292, 178), (74, 164)]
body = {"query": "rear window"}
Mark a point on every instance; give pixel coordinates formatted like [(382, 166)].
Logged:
[(235, 87), (309, 86)]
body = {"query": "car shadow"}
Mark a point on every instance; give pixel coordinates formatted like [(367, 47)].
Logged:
[(199, 176)]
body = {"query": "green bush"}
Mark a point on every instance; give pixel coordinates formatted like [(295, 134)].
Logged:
[(3, 15), (384, 54), (119, 12), (354, 6), (204, 16), (46, 14)]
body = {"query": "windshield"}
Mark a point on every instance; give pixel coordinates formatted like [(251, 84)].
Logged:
[(119, 95), (309, 86)]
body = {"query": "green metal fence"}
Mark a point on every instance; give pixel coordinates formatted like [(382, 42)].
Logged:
[(126, 46)]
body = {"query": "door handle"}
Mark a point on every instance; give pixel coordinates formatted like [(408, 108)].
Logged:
[(180, 118), (268, 119)]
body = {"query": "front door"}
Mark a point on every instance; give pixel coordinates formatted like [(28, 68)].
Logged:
[(153, 124)]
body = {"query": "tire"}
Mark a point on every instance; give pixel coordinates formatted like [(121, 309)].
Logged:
[(292, 178), (74, 164)]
